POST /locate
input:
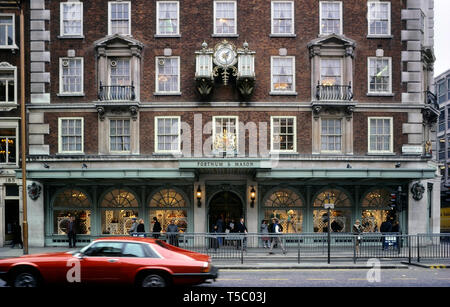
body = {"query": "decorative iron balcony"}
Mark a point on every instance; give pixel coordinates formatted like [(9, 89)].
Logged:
[(431, 99), (334, 92), (116, 92)]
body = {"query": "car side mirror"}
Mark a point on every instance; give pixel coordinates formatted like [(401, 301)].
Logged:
[(79, 255)]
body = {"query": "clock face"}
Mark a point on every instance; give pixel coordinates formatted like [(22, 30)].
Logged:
[(225, 56)]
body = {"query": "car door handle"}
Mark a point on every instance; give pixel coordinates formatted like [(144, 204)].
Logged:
[(113, 260)]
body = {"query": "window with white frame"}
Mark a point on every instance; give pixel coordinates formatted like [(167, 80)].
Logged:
[(71, 18), (167, 134), (225, 133), (225, 17), (380, 80), (331, 135), (8, 146), (282, 17), (168, 18), (8, 85), (379, 18), (119, 135), (71, 76), (331, 71), (330, 17), (283, 74), (7, 29), (120, 79), (380, 135), (283, 133), (71, 135), (119, 18), (167, 75)]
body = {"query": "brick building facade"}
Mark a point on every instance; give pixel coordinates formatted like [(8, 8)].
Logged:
[(135, 106)]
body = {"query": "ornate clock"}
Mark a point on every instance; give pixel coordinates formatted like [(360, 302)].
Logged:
[(225, 55)]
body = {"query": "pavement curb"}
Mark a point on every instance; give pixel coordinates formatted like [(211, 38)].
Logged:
[(304, 267), (429, 266)]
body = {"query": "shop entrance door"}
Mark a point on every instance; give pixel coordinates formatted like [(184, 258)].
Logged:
[(11, 217), (227, 205)]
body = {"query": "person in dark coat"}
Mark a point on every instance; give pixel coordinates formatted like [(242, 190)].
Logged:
[(276, 230), (140, 227), (156, 228), (172, 232), (17, 235), (241, 228), (72, 232), (220, 228), (385, 227), (214, 243)]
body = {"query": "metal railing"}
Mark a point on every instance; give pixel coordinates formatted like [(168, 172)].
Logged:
[(312, 246), (334, 92), (116, 92)]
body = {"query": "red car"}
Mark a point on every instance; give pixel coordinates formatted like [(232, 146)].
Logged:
[(141, 262)]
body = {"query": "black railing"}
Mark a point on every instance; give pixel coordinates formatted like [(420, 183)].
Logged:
[(298, 247), (116, 92), (334, 92)]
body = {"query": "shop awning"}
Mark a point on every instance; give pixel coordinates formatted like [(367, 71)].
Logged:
[(107, 174), (348, 173)]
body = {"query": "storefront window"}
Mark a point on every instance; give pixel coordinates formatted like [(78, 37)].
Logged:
[(167, 205), (71, 203), (117, 218), (376, 209), (285, 205), (340, 215)]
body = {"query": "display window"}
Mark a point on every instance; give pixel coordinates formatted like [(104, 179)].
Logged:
[(167, 205), (285, 205), (375, 209), (71, 203), (120, 206), (340, 215)]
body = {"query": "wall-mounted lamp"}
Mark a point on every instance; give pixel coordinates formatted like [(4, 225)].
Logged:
[(252, 196), (199, 197)]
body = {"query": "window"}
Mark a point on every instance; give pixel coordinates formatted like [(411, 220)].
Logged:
[(375, 209), (379, 18), (330, 71), (8, 146), (340, 217), (105, 249), (282, 17), (119, 135), (225, 134), (133, 250), (284, 134), (380, 80), (225, 18), (331, 135), (71, 18), (167, 75), (441, 155), (119, 18), (441, 92), (380, 135), (8, 87), (330, 17), (283, 74), (7, 35), (71, 203), (119, 207), (70, 135), (441, 119), (168, 18), (71, 76), (287, 206), (121, 87), (167, 205), (167, 134)]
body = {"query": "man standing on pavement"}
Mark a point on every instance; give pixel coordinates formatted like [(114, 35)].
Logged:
[(241, 228), (71, 232), (277, 230)]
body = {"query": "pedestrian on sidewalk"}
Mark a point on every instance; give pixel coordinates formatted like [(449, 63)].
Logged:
[(140, 227), (72, 232), (277, 230), (172, 232), (357, 230), (386, 227), (214, 242), (241, 228), (156, 228), (264, 230), (17, 235), (220, 228), (133, 226)]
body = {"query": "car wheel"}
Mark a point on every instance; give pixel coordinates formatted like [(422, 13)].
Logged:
[(25, 279), (153, 281)]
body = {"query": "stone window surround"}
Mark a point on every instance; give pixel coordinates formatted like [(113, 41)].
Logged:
[(12, 124), (4, 66), (346, 131), (13, 45), (104, 130)]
